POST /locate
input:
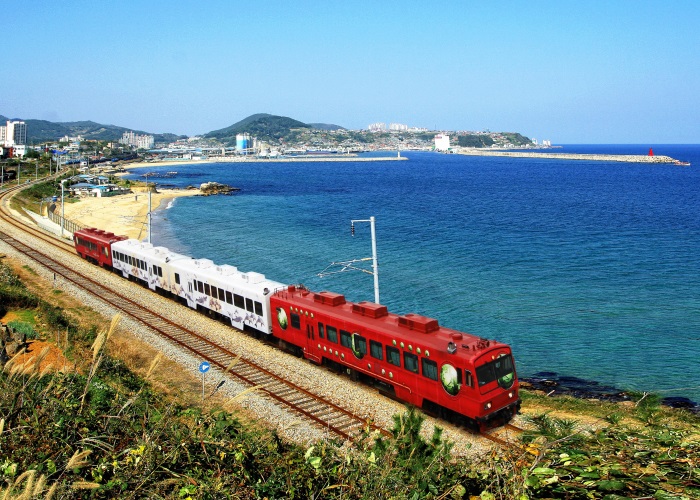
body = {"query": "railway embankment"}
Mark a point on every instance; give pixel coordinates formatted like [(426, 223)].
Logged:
[(661, 159)]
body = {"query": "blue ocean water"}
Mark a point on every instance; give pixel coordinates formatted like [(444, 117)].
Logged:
[(588, 269)]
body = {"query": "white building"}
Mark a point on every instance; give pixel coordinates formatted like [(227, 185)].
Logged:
[(400, 127), (14, 135), (137, 140), (377, 127), (442, 142)]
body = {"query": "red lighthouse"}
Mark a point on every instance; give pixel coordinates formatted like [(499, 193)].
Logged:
[(651, 152)]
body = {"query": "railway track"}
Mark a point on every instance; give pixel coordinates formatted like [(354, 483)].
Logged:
[(284, 393), (502, 435)]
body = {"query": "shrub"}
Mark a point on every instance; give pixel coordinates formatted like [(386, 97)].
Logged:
[(23, 328)]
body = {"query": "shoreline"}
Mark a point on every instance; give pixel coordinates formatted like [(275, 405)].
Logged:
[(295, 159), (123, 214)]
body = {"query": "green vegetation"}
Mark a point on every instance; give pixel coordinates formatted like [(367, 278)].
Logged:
[(263, 126), (100, 431), (516, 139), (475, 141), (42, 130), (23, 328)]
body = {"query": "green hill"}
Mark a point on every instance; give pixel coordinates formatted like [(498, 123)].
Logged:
[(43, 131), (326, 126), (263, 126)]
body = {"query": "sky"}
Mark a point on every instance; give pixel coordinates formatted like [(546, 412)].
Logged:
[(622, 71)]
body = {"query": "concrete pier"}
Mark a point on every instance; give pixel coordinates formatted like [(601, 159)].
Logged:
[(572, 156)]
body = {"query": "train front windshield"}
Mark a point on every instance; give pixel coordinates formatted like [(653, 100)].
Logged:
[(500, 369)]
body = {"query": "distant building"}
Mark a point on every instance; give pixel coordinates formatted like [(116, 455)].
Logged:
[(13, 138), (376, 127), (442, 142), (243, 142), (138, 141), (400, 127)]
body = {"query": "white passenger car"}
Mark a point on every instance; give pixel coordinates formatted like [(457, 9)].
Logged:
[(241, 298), (128, 258)]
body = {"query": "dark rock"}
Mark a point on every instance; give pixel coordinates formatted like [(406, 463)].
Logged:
[(210, 188)]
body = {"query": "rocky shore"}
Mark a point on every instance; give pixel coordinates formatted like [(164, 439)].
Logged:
[(551, 383)]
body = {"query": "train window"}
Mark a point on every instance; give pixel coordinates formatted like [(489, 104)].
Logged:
[(345, 339), (295, 321), (189, 285), (375, 350), (160, 271), (238, 301), (393, 356), (200, 287), (229, 297), (222, 295), (332, 334), (249, 304), (258, 308), (429, 368), (410, 362), (207, 289), (359, 346), (106, 252), (321, 331), (500, 369), (177, 278), (468, 379)]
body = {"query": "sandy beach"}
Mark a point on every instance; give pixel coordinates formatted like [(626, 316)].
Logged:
[(123, 214)]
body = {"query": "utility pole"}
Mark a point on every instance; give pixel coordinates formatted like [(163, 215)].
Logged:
[(350, 264), (375, 266), (63, 208), (149, 209)]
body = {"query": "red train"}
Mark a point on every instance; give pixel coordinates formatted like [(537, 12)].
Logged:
[(453, 374), (412, 357), (95, 245)]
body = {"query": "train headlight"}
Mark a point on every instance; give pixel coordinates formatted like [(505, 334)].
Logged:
[(510, 395), (487, 406)]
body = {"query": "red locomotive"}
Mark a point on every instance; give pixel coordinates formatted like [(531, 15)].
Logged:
[(95, 245), (412, 357)]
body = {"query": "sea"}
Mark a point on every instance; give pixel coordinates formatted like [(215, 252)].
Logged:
[(588, 269)]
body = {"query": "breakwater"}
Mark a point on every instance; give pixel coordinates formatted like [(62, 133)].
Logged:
[(573, 156), (291, 159)]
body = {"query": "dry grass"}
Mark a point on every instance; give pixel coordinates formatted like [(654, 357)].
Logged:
[(166, 376)]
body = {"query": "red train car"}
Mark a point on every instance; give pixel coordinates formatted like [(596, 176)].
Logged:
[(95, 245), (447, 372)]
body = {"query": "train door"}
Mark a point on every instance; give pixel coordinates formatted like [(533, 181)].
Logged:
[(311, 349)]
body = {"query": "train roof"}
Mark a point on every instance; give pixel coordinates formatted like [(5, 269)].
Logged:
[(409, 328), (207, 269), (147, 250), (99, 235)]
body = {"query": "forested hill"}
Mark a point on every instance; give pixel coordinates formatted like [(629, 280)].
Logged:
[(263, 126), (42, 131)]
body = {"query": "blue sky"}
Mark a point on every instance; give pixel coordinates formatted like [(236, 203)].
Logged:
[(568, 71)]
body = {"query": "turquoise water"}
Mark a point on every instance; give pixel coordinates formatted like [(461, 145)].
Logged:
[(588, 269)]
